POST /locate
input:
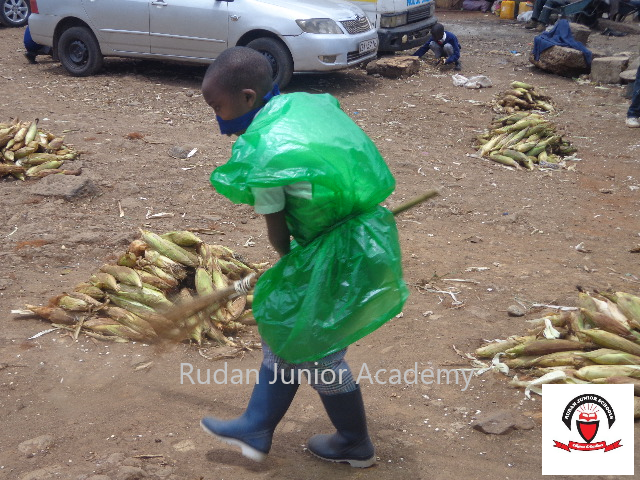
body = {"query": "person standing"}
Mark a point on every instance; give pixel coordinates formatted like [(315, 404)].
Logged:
[(633, 114)]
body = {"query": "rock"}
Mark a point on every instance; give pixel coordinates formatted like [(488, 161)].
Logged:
[(184, 446), (47, 473), (564, 61), (622, 27), (394, 67), (502, 422), (515, 311), (608, 69), (628, 76), (36, 445), (580, 32), (130, 473), (69, 187)]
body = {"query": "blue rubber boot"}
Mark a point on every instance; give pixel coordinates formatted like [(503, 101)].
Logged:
[(351, 442), (253, 430)]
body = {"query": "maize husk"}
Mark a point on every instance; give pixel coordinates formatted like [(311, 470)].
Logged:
[(613, 341), (147, 296), (183, 238), (629, 305), (124, 275), (489, 350), (10, 169), (104, 281), (608, 356), (53, 314), (569, 357), (90, 290), (176, 269), (128, 259), (169, 249), (118, 330), (591, 372), (131, 320), (137, 247), (620, 380), (605, 322), (544, 347), (156, 282), (71, 304), (504, 160), (160, 273)]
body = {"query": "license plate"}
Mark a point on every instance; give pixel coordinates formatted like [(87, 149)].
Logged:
[(368, 45)]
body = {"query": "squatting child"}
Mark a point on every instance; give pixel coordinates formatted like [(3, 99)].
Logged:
[(444, 45), (300, 161)]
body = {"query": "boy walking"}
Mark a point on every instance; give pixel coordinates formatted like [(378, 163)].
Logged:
[(444, 45), (316, 177)]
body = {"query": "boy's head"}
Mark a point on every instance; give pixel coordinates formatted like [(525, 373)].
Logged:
[(236, 82), (437, 31)]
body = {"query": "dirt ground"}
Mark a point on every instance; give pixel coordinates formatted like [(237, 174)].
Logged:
[(109, 412)]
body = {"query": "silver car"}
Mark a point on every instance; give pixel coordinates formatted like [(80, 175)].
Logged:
[(295, 35)]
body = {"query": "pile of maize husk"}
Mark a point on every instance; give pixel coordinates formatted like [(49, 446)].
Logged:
[(524, 139), (598, 343), (522, 96), (26, 151), (127, 300)]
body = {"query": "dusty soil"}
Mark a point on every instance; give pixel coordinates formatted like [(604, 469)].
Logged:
[(107, 415)]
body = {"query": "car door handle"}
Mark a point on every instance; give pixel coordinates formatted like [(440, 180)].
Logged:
[(159, 3)]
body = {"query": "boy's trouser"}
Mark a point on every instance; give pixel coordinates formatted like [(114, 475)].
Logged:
[(634, 108), (330, 375), (548, 9), (441, 51)]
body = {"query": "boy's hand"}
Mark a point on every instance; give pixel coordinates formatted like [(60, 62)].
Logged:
[(439, 61)]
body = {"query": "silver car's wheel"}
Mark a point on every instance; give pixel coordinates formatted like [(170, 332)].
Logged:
[(14, 13), (79, 52), (279, 57)]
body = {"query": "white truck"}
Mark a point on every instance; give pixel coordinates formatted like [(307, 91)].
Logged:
[(401, 24)]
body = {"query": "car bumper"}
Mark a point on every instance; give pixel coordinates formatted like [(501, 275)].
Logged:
[(308, 52), (405, 37), (42, 28)]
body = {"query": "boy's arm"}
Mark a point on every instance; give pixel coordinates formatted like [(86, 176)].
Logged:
[(455, 56), (423, 49), (278, 232)]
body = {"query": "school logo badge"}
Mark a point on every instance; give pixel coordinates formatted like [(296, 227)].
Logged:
[(588, 408), (587, 429)]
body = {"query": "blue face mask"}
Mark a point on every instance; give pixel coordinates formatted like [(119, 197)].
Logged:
[(241, 123)]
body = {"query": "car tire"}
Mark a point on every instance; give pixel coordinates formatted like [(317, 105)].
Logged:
[(279, 57), (79, 52), (14, 13)]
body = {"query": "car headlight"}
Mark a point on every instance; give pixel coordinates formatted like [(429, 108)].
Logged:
[(391, 21), (319, 25)]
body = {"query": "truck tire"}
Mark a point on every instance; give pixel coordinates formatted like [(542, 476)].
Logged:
[(79, 52), (14, 13), (279, 57)]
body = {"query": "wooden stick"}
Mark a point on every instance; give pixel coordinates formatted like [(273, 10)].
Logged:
[(414, 202)]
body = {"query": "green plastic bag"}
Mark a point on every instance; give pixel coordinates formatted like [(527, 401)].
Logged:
[(343, 276)]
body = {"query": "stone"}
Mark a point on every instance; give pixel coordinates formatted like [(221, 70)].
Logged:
[(502, 422), (629, 28), (130, 473), (628, 76), (68, 187), (580, 32), (515, 311), (47, 473), (394, 67), (608, 69), (564, 61), (36, 445)]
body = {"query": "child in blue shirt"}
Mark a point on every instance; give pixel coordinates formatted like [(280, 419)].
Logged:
[(444, 45)]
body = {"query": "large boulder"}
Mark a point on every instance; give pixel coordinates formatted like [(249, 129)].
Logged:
[(395, 67), (564, 61), (580, 32)]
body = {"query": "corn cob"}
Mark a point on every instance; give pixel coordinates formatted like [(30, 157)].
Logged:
[(620, 380), (31, 171), (543, 347), (176, 269), (489, 350), (104, 281), (90, 290), (131, 320), (53, 314), (183, 238), (160, 273), (605, 322), (169, 249), (569, 357), (31, 132), (147, 296), (156, 282), (122, 274), (611, 340), (504, 160), (608, 356), (591, 372)]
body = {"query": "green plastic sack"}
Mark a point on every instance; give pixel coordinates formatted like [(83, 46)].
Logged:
[(343, 276)]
